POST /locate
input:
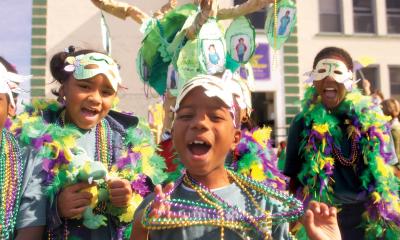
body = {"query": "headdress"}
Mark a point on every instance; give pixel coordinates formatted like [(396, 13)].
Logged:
[(228, 88), (9, 82), (88, 65), (214, 87)]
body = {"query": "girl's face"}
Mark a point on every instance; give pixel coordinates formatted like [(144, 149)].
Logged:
[(88, 101), (5, 109), (332, 93), (203, 133)]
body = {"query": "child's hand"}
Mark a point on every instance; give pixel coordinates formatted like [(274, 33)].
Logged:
[(159, 208), (320, 222), (120, 192), (72, 202)]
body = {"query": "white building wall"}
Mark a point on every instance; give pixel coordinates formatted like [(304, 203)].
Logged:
[(384, 48), (77, 22)]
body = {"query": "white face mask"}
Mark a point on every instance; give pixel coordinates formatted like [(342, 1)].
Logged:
[(335, 69), (9, 82)]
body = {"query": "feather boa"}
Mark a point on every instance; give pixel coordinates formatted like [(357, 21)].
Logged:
[(382, 217), (253, 157), (56, 145)]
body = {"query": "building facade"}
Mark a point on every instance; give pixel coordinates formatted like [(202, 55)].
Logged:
[(58, 24), (368, 29)]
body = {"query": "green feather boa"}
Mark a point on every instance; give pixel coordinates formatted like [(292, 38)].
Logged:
[(321, 133)]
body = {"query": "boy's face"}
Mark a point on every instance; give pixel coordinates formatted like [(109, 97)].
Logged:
[(5, 109), (332, 93), (87, 100), (212, 48), (203, 133)]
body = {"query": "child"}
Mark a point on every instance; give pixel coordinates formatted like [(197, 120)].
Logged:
[(18, 219), (210, 201), (214, 60), (391, 107), (213, 55), (339, 151), (85, 129), (284, 22), (241, 49)]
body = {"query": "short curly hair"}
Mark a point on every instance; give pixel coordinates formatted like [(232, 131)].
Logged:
[(334, 51), (391, 107)]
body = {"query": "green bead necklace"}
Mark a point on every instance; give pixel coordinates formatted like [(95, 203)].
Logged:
[(11, 177)]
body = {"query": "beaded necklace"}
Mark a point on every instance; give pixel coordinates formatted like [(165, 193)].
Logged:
[(254, 157), (215, 211), (11, 177), (370, 134), (337, 153), (103, 153), (55, 143), (103, 145)]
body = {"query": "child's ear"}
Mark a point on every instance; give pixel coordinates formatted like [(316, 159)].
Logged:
[(61, 95), (236, 138), (11, 110), (61, 91)]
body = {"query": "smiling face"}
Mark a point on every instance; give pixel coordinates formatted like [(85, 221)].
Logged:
[(332, 93), (88, 101), (203, 134)]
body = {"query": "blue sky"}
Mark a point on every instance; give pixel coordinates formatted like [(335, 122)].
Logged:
[(15, 35)]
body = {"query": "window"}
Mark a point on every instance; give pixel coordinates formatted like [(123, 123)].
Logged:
[(393, 16), (394, 76), (371, 73), (256, 18), (330, 19), (364, 20)]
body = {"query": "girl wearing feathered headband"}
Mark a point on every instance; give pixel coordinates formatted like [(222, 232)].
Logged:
[(97, 163)]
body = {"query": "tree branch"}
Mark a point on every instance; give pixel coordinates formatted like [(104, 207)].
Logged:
[(243, 9), (209, 8), (121, 10), (166, 8)]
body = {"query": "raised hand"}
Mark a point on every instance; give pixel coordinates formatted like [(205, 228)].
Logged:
[(72, 201), (320, 222), (159, 207)]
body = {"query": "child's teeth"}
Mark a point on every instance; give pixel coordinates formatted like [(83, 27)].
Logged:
[(198, 142)]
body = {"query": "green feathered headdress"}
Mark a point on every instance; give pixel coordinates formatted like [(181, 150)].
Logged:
[(154, 55)]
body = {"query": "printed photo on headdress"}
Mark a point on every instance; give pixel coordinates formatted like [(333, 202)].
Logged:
[(141, 67), (214, 55), (241, 49), (172, 80), (240, 40), (285, 16)]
